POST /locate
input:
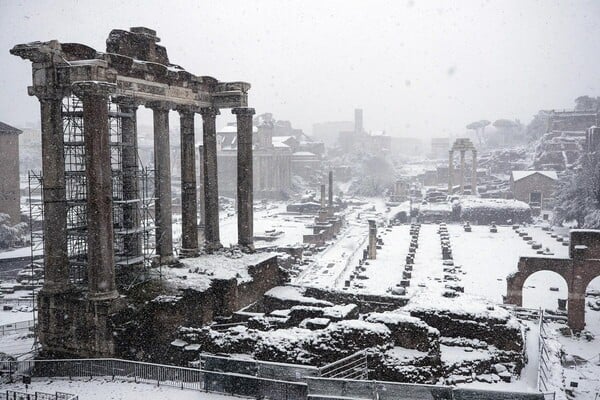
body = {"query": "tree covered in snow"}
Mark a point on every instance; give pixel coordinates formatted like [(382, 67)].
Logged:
[(374, 174), (578, 195), (10, 235), (587, 103)]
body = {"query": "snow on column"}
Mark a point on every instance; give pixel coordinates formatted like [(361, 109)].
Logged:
[(244, 177), (101, 270)]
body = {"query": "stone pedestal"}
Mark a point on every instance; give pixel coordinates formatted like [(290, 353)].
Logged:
[(162, 183), (211, 185), (101, 268), (245, 177), (372, 253), (189, 206)]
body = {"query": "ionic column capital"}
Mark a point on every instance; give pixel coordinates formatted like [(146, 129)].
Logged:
[(208, 112), (159, 105), (239, 111), (126, 102), (48, 93), (186, 111), (93, 88)]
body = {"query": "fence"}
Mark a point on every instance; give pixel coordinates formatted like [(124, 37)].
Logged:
[(351, 367), (14, 395), (158, 374), (16, 327), (261, 369), (339, 389), (543, 375), (19, 302)]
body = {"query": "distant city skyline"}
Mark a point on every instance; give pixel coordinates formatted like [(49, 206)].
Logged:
[(416, 68)]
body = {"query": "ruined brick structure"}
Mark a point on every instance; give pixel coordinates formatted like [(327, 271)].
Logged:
[(578, 270), (9, 175), (135, 70)]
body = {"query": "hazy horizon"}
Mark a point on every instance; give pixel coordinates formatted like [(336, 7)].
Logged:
[(420, 69)]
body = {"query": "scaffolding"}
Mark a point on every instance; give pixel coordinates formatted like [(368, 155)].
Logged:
[(136, 267)]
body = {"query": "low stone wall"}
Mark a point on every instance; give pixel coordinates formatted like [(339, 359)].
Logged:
[(70, 324), (366, 302), (148, 326)]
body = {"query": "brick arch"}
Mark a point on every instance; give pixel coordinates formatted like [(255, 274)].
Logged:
[(578, 271), (530, 265)]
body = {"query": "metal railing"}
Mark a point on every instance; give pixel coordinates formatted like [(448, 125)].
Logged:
[(543, 375), (351, 367), (19, 302), (158, 374), (15, 395), (16, 327)]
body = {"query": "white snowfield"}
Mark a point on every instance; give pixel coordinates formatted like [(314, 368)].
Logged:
[(100, 389)]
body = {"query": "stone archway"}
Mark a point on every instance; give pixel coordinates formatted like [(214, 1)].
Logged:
[(593, 284), (578, 270)]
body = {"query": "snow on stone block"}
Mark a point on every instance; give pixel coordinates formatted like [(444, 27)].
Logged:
[(469, 317), (487, 211), (285, 297), (407, 331)]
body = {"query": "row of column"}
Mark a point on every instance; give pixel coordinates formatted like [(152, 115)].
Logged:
[(462, 171), (101, 271)]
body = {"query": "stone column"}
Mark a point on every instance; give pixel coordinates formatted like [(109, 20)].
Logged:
[(244, 177), (189, 206), (331, 191), (450, 171), (323, 196), (101, 268), (474, 174), (56, 261), (372, 253), (130, 168), (201, 194), (462, 172), (162, 183), (211, 186)]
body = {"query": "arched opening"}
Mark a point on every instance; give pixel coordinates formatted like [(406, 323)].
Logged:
[(542, 289), (592, 306)]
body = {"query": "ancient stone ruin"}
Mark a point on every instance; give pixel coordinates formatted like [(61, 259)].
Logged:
[(578, 270), (91, 180)]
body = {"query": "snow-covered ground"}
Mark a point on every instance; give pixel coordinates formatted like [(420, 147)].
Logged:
[(485, 259), (100, 389)]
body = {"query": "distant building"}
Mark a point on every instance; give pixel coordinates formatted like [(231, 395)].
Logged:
[(559, 121), (10, 196), (535, 188), (409, 146), (328, 132), (440, 148), (271, 162)]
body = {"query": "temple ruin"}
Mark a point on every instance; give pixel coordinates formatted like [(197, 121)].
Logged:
[(91, 175), (462, 145)]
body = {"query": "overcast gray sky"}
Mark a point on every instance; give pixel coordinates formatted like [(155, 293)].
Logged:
[(417, 68)]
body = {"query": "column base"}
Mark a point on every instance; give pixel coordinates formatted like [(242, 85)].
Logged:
[(211, 247), (168, 261), (188, 253), (247, 248), (113, 294)]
